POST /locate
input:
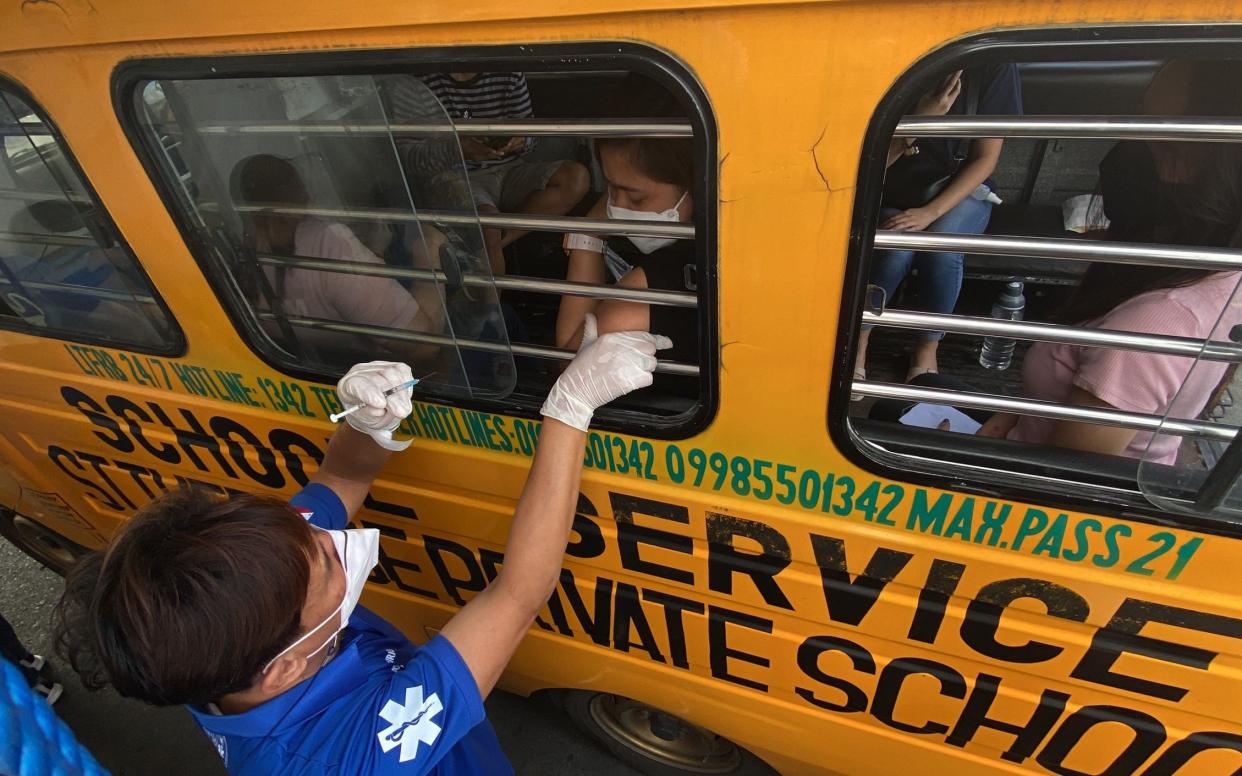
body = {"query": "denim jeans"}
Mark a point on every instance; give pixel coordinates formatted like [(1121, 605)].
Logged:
[(939, 279)]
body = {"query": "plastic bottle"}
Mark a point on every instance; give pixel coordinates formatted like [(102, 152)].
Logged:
[(997, 352)]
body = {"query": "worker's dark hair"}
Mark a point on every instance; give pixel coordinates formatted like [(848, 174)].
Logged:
[(190, 599), (667, 160)]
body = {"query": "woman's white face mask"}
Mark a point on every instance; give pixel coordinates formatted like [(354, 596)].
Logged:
[(647, 244), (358, 551)]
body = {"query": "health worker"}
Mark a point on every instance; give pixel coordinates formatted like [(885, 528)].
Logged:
[(246, 608)]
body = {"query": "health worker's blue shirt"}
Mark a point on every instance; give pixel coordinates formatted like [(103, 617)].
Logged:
[(381, 706)]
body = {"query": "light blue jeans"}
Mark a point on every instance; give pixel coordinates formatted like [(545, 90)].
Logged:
[(939, 279)]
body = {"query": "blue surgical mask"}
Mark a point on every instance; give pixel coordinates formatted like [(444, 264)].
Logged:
[(647, 244), (358, 551)]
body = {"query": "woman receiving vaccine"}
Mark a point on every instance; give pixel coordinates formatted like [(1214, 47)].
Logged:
[(649, 179)]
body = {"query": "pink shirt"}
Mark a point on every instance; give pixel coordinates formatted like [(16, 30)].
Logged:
[(337, 296), (1132, 381)]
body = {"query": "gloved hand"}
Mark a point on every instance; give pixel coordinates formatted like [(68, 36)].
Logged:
[(606, 367), (380, 415)]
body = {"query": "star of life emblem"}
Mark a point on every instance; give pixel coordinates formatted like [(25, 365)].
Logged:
[(221, 743), (410, 724)]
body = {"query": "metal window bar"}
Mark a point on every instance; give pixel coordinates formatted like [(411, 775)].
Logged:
[(503, 282), (1206, 130), (1050, 332), (73, 288), (517, 348), (1045, 409), (1217, 259), (40, 196), (25, 129), (216, 188), (505, 221), (42, 238), (461, 127)]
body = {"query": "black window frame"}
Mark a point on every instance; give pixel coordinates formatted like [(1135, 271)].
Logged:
[(559, 58), (1084, 43), (176, 344)]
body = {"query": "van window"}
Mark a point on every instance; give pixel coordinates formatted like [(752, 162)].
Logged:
[(64, 271), (1205, 482), (1046, 297), (422, 215)]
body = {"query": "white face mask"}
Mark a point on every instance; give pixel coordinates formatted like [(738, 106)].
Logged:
[(358, 550), (647, 244)]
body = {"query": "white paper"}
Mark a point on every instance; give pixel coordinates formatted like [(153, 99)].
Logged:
[(932, 415), (1084, 213)]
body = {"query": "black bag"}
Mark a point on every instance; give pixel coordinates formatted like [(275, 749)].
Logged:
[(914, 180)]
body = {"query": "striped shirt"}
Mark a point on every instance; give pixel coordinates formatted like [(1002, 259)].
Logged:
[(486, 96)]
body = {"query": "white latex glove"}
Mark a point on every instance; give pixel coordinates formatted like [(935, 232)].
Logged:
[(606, 367), (380, 415)]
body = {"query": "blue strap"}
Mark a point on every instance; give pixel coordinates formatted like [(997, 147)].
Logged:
[(33, 740)]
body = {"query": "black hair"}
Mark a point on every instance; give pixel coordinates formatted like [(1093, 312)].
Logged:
[(264, 179), (667, 160), (1203, 211), (190, 599)]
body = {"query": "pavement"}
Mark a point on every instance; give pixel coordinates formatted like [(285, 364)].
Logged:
[(132, 739)]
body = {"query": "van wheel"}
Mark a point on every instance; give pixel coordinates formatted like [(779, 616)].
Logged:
[(655, 742), (51, 549)]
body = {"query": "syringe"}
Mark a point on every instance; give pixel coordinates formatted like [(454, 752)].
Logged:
[(337, 417)]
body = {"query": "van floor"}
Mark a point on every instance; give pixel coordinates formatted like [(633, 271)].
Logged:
[(888, 360), (888, 356)]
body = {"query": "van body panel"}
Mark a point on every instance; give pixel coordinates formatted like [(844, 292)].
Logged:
[(826, 619)]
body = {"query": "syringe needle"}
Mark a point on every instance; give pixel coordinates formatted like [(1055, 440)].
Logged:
[(337, 417)]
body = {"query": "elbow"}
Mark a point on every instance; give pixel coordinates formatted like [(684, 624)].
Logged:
[(527, 595)]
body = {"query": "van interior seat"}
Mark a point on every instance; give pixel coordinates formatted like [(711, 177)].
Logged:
[(1034, 177)]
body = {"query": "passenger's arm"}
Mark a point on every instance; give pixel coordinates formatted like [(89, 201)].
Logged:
[(426, 255), (998, 426), (487, 631), (361, 447), (935, 103), (1090, 437), (618, 314), (584, 267), (980, 163)]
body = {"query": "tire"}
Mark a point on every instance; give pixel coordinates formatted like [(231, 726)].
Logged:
[(654, 742), (49, 548)]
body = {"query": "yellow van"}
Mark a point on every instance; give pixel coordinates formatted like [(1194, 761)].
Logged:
[(763, 576)]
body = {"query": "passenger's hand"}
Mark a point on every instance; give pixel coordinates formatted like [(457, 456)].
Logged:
[(938, 101), (380, 415), (475, 151), (915, 219), (606, 367), (514, 145), (998, 426)]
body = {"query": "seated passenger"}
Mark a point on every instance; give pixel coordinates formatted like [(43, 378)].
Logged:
[(501, 178), (266, 180), (1161, 192), (940, 185), (649, 179)]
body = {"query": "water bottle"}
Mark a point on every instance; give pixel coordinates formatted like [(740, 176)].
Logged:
[(997, 352)]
